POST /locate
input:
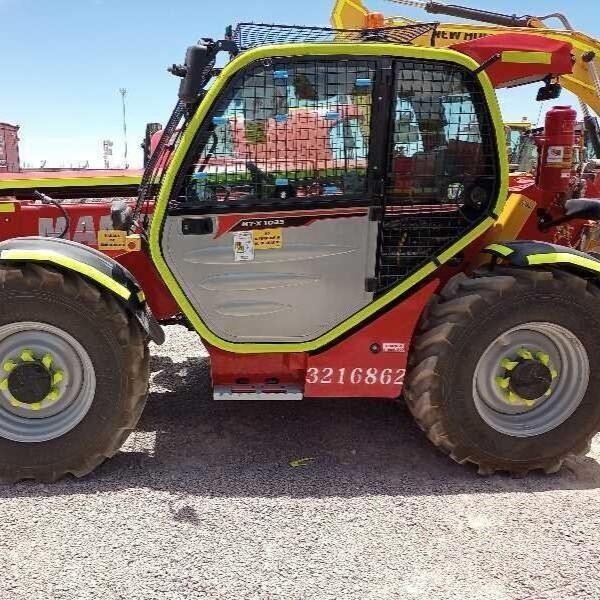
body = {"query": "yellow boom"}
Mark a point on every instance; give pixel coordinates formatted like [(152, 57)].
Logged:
[(584, 82)]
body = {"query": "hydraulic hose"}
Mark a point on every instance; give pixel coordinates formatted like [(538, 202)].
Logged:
[(464, 12), (47, 200)]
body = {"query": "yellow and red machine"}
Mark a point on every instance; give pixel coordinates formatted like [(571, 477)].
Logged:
[(332, 213), (583, 81)]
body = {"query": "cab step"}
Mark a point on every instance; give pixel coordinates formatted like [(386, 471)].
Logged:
[(258, 392)]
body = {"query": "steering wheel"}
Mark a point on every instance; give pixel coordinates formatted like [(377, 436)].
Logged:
[(258, 177), (470, 199)]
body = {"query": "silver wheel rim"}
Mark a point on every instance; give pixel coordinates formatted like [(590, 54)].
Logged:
[(565, 356), (71, 397)]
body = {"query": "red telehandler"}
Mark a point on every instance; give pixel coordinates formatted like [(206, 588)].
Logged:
[(330, 212)]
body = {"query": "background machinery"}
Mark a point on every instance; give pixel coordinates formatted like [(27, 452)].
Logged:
[(332, 216), (516, 132), (583, 82)]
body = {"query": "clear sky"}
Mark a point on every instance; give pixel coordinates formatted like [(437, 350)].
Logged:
[(63, 62)]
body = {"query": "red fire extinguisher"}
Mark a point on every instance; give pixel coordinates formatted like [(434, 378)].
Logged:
[(555, 150)]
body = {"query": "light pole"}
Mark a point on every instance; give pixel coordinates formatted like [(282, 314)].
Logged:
[(123, 92)]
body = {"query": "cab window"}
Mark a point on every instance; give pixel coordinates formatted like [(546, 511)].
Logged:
[(283, 130)]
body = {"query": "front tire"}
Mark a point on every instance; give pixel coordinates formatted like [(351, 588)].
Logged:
[(74, 372), (505, 369)]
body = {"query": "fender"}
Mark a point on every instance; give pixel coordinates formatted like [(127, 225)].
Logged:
[(99, 268), (522, 253)]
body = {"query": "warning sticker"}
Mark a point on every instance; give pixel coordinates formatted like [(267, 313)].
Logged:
[(268, 239), (556, 154), (111, 239), (243, 246), (394, 347)]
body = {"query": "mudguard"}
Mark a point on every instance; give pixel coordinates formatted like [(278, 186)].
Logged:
[(91, 264), (523, 253)]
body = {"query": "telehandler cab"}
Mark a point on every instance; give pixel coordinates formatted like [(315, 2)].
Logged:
[(329, 218)]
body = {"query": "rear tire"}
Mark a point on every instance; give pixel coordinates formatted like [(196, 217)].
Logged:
[(456, 334), (93, 323)]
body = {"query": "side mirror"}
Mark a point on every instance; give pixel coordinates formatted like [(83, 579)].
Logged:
[(550, 91), (583, 208), (193, 72)]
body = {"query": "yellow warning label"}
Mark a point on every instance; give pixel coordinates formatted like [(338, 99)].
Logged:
[(112, 239), (268, 239)]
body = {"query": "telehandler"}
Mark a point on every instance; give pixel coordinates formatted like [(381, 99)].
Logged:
[(330, 216)]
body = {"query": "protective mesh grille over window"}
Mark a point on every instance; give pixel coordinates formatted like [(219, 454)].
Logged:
[(442, 175), (287, 129)]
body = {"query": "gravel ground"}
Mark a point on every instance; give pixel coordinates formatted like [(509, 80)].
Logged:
[(202, 503)]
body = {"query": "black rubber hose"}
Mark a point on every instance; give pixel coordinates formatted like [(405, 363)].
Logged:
[(473, 14), (47, 200)]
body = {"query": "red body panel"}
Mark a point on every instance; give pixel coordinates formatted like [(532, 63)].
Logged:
[(513, 73), (229, 368), (157, 294), (370, 363), (86, 220), (47, 220)]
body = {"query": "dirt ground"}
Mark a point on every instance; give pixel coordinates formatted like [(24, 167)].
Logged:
[(202, 503)]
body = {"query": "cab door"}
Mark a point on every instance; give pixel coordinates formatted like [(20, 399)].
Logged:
[(270, 232)]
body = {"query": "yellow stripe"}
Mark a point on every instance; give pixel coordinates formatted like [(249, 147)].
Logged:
[(503, 250), (313, 50), (564, 258), (465, 240), (68, 263), (526, 125), (7, 207), (526, 58), (25, 184)]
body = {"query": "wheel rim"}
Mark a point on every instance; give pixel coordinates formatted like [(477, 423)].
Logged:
[(47, 382), (531, 379)]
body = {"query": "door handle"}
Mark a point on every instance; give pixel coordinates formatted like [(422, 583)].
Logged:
[(202, 226)]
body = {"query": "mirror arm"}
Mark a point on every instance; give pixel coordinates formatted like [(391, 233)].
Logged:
[(545, 222), (576, 208)]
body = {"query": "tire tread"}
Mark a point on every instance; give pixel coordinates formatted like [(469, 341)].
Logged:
[(452, 309), (136, 363)]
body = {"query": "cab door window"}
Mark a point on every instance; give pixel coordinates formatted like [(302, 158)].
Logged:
[(442, 175), (286, 129)]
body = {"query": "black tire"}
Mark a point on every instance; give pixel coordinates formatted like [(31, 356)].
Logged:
[(118, 351), (454, 332)]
